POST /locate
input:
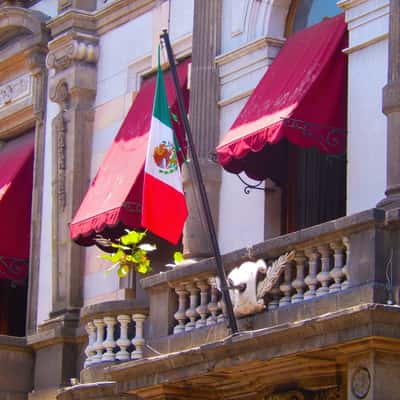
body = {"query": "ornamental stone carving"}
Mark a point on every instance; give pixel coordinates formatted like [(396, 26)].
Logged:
[(75, 50), (252, 281), (360, 382), (15, 90), (59, 125)]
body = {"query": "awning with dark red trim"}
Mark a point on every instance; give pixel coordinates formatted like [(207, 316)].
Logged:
[(16, 177), (302, 97), (113, 200)]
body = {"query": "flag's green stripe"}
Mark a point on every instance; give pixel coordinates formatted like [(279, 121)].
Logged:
[(161, 110)]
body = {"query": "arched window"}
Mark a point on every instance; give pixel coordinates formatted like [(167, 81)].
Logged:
[(310, 12)]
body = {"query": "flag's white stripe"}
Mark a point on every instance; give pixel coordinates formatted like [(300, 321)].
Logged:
[(159, 132)]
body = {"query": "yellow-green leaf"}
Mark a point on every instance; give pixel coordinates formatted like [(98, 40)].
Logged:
[(123, 271), (132, 237), (178, 257)]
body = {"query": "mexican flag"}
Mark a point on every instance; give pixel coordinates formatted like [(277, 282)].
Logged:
[(164, 208)]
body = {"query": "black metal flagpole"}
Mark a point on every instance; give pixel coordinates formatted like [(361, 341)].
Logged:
[(202, 189)]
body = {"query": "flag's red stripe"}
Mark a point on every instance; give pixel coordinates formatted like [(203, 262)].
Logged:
[(165, 211)]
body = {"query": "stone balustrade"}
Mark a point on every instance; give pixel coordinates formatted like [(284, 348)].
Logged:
[(314, 271), (114, 335), (336, 260), (198, 304)]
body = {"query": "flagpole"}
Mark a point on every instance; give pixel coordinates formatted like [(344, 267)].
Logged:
[(202, 190)]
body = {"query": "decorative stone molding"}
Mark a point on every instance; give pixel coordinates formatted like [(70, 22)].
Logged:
[(64, 56), (241, 69), (59, 128), (15, 90), (120, 12), (360, 382), (252, 19)]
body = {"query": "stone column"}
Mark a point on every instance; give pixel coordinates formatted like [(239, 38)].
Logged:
[(204, 120), (391, 107)]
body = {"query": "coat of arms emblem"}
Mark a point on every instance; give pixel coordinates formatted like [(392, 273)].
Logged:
[(164, 155)]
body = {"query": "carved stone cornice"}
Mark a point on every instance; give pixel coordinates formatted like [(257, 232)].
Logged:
[(72, 20), (100, 21), (70, 48)]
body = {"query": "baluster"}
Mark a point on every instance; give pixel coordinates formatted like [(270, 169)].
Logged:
[(347, 282), (286, 286), (109, 343), (337, 271), (180, 315), (191, 312), (213, 304), (275, 295), (311, 279), (89, 351), (324, 277), (98, 346), (123, 342), (202, 309), (299, 283), (138, 340)]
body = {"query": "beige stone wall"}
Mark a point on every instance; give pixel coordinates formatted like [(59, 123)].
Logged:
[(16, 369)]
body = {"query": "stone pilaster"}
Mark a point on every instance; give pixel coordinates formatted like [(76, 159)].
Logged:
[(373, 375), (204, 119), (391, 107), (73, 88), (38, 69)]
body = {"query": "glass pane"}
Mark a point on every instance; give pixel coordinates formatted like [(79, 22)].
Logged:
[(310, 12)]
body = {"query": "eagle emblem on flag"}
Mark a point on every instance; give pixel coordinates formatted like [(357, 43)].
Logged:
[(164, 155)]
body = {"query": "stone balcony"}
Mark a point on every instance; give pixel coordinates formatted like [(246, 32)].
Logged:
[(333, 301), (337, 264)]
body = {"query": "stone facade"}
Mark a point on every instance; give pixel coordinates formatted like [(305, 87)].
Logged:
[(326, 328)]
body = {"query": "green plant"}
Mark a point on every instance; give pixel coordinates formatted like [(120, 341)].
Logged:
[(178, 259), (129, 253)]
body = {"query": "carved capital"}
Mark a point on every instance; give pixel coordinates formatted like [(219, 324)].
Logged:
[(74, 51)]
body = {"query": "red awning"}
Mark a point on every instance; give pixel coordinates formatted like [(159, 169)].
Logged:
[(302, 97), (113, 200), (16, 176)]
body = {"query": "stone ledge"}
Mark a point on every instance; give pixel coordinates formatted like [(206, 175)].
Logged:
[(15, 343), (98, 390), (113, 308), (61, 329), (333, 337), (275, 247), (308, 309)]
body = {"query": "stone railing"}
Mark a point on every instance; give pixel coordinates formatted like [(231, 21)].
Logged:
[(198, 304), (341, 258), (115, 332), (314, 271)]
